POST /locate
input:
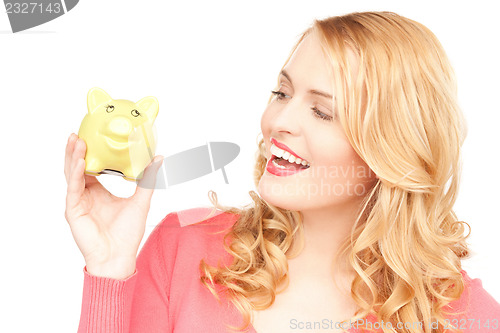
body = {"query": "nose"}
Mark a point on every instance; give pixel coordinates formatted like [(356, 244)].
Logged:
[(120, 126), (286, 118)]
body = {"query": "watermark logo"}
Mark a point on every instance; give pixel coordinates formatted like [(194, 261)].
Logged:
[(187, 165), (31, 13), (369, 325), (194, 163), (324, 181)]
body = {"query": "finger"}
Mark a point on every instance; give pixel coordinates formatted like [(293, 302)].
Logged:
[(76, 186), (70, 146), (146, 185), (90, 180), (76, 183), (78, 152)]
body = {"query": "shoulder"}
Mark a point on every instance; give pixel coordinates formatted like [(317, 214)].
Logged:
[(475, 303), (193, 233), (190, 221)]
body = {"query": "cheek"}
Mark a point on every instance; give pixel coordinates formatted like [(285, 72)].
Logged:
[(336, 150), (343, 168), (358, 174)]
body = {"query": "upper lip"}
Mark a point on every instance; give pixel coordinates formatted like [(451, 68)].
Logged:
[(286, 148)]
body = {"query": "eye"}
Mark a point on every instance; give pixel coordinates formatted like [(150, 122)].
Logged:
[(110, 108), (279, 94), (321, 115), (317, 113), (135, 113)]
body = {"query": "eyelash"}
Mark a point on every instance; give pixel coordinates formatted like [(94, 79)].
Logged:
[(317, 113)]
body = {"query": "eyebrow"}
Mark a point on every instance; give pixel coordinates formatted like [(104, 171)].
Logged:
[(311, 91)]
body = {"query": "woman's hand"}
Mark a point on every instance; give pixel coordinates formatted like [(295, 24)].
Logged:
[(107, 229)]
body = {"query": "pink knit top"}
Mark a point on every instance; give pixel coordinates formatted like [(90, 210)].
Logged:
[(165, 293)]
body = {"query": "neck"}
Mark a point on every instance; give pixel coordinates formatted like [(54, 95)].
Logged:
[(324, 231)]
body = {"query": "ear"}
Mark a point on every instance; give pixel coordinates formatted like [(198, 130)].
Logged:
[(148, 105), (96, 97)]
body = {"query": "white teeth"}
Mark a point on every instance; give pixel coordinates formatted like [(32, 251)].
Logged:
[(278, 152)]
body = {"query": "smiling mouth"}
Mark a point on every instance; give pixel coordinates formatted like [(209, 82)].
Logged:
[(281, 154), (285, 164)]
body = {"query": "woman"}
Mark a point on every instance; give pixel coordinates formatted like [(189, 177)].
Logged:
[(358, 170)]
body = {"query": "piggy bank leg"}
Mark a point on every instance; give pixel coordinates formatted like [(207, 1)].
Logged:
[(92, 167), (129, 175)]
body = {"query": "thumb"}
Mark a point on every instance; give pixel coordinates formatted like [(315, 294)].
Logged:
[(146, 184)]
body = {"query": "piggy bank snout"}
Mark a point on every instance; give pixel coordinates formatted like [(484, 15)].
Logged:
[(120, 126)]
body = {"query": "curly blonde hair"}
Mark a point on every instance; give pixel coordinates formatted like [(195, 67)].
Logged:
[(401, 116)]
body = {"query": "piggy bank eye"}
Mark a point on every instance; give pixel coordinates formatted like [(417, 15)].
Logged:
[(110, 108), (135, 113)]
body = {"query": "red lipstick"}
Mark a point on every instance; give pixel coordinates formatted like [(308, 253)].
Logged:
[(273, 169), (283, 168), (285, 147)]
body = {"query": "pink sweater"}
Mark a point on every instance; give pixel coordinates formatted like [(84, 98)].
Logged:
[(165, 294)]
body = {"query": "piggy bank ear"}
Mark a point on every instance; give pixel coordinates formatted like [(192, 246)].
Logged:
[(149, 106), (96, 97)]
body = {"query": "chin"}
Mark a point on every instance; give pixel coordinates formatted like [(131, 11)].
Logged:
[(279, 199)]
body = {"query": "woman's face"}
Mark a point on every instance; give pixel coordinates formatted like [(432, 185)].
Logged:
[(302, 118)]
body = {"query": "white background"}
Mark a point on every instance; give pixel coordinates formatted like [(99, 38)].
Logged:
[(211, 64)]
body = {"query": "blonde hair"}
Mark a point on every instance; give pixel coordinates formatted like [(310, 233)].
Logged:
[(401, 116)]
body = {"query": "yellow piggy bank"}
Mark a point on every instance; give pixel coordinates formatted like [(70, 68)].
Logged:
[(119, 135)]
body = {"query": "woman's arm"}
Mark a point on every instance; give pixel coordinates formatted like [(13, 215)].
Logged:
[(138, 303)]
